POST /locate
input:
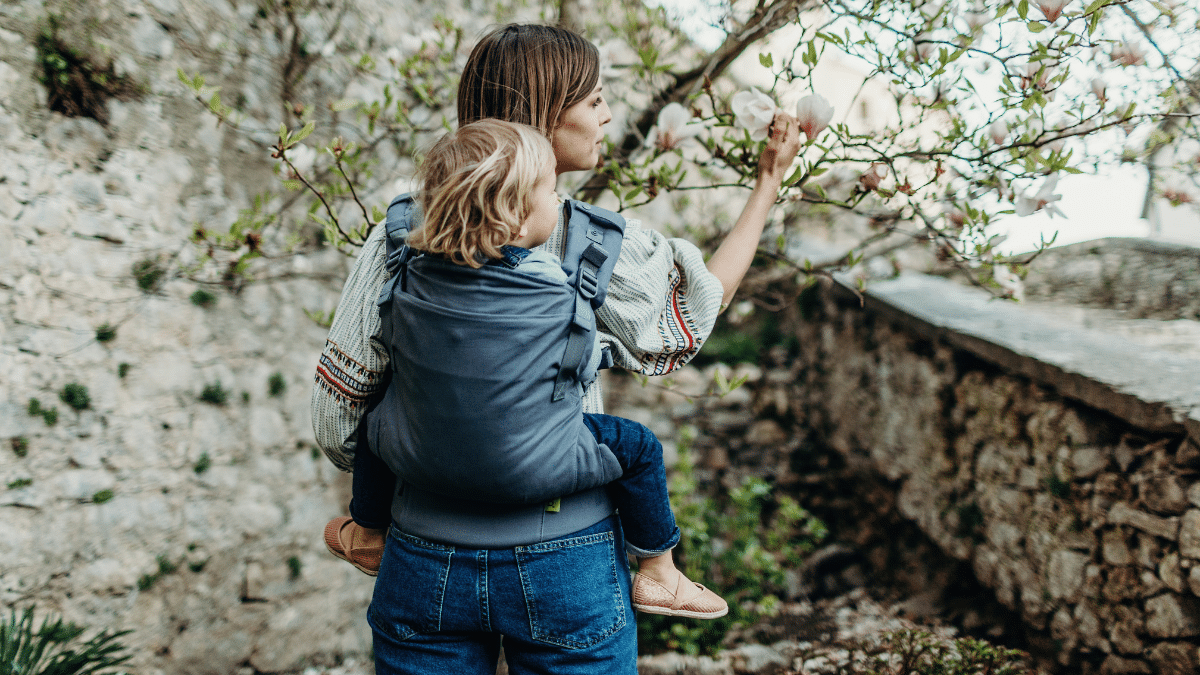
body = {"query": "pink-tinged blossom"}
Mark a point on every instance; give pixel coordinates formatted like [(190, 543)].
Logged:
[(923, 48), (673, 128), (1128, 53), (1100, 88), (1177, 193), (1042, 201), (1009, 282), (753, 111), (1052, 9), (874, 174), (814, 113), (997, 131)]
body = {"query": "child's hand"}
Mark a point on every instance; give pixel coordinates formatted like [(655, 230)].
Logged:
[(783, 144)]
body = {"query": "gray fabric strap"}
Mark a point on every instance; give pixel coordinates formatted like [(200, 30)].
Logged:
[(583, 324)]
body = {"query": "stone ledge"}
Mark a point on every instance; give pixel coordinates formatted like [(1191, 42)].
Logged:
[(1151, 389)]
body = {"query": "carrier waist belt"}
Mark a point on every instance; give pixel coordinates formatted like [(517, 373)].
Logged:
[(460, 522)]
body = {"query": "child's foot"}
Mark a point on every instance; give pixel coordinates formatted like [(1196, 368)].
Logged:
[(687, 599), (357, 545)]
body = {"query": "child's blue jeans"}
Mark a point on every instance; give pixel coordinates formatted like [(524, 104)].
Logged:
[(640, 495)]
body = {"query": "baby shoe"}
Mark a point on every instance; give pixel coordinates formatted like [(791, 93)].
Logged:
[(689, 599), (344, 539)]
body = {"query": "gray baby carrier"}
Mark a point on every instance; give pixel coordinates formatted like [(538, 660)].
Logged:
[(489, 365)]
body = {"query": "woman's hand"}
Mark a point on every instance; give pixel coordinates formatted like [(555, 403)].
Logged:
[(783, 144), (733, 257)]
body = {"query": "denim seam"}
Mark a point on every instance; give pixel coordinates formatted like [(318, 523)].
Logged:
[(485, 614), (443, 579), (417, 541), (567, 543)]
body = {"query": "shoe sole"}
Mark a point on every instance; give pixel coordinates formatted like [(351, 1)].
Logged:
[(342, 556), (683, 613)]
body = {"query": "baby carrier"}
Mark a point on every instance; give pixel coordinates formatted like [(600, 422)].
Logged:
[(489, 365)]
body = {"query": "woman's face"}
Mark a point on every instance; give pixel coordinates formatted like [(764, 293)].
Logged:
[(577, 139)]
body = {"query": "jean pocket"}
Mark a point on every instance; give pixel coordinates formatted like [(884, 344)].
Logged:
[(410, 587), (572, 590)]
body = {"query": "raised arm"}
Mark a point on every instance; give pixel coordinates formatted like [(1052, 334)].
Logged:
[(733, 257)]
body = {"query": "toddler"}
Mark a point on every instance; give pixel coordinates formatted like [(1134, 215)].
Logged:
[(488, 199)]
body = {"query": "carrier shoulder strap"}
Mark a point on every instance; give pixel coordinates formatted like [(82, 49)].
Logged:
[(403, 217), (594, 237)]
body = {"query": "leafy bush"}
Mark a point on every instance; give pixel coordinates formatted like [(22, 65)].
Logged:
[(295, 567), (122, 370), (276, 385), (50, 416), (148, 273), (106, 333), (919, 653), (75, 395), (214, 393), (20, 483), (202, 298), (739, 546), (75, 85), (54, 648), (203, 464), (20, 446), (34, 407), (102, 496)]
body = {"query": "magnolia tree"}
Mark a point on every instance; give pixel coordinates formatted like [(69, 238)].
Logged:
[(992, 105)]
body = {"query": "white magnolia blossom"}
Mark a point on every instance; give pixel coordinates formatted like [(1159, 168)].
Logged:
[(1128, 53), (998, 131), (977, 16), (1052, 9), (302, 158), (814, 113), (674, 127), (1012, 284), (1042, 201), (608, 51), (1099, 87), (753, 111)]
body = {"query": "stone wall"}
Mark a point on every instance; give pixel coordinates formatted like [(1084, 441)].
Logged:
[(196, 525), (1059, 460)]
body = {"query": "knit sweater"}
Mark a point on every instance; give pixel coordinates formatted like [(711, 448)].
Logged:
[(661, 305)]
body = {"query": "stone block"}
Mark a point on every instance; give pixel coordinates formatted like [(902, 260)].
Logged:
[(1173, 658), (1115, 547), (1163, 493), (1172, 616), (1088, 462), (1116, 665), (1189, 534), (1123, 514), (1193, 580), (1065, 573), (1122, 584), (1193, 494), (1170, 572)]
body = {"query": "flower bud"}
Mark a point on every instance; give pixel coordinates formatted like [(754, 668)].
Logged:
[(813, 113)]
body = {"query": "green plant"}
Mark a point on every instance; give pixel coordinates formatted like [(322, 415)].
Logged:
[(202, 298), (20, 446), (741, 542), (197, 566), (34, 407), (245, 397), (76, 86), (910, 652), (294, 567), (214, 393), (50, 416), (202, 464), (102, 496), (106, 333), (148, 272), (54, 648), (1057, 486), (20, 483), (276, 385), (75, 395), (165, 567), (122, 370)]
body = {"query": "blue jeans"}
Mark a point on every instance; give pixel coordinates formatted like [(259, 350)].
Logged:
[(640, 495), (562, 606)]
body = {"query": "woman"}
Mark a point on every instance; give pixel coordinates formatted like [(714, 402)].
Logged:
[(561, 600)]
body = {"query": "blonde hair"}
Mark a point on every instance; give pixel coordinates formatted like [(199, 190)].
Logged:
[(476, 184), (527, 73)]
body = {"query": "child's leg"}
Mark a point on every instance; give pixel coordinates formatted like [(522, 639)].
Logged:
[(372, 489), (641, 497), (359, 539)]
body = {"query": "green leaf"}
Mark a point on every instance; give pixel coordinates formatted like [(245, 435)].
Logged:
[(1023, 9), (791, 180), (766, 60), (293, 185), (344, 104), (304, 133), (1035, 26), (283, 131), (1093, 6)]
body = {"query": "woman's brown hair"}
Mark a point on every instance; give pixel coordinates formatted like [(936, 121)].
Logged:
[(476, 184), (527, 74)]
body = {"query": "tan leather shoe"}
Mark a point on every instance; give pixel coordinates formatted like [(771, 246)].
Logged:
[(689, 599), (344, 538)]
